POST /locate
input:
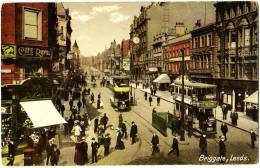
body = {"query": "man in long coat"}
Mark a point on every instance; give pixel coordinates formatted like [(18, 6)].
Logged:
[(224, 130), (203, 145), (49, 149), (222, 148), (94, 146), (155, 143), (107, 142), (133, 132), (175, 147), (124, 129), (104, 121), (95, 125), (150, 100), (253, 138)]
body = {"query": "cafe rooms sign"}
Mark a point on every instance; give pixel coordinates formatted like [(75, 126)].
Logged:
[(25, 51)]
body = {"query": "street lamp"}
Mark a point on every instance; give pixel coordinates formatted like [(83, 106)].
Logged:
[(15, 108), (182, 138)]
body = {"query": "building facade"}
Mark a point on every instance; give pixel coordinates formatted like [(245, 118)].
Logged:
[(159, 18), (174, 53), (237, 52), (203, 59), (28, 40), (125, 56)]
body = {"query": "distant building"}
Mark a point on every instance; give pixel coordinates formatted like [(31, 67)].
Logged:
[(76, 55), (125, 56)]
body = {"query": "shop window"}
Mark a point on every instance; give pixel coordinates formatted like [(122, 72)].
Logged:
[(247, 37), (32, 24)]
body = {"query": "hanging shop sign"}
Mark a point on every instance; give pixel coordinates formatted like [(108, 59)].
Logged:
[(8, 51), (31, 51)]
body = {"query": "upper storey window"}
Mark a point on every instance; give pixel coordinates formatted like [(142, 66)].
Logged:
[(32, 24)]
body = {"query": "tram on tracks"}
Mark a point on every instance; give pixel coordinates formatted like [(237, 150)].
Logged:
[(199, 101), (120, 98)]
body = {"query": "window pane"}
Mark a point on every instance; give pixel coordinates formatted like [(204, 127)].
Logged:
[(247, 37), (30, 31), (233, 40), (30, 17)]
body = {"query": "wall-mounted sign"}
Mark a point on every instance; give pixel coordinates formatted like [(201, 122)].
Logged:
[(126, 64), (28, 51), (8, 51)]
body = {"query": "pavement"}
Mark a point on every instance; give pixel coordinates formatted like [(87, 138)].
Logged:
[(140, 152), (243, 123)]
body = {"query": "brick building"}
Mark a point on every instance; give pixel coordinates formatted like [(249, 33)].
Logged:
[(28, 40), (174, 54)]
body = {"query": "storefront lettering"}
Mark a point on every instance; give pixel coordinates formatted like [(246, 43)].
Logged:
[(42, 53), (33, 51), (25, 51)]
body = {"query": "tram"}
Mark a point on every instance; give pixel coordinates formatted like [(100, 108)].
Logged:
[(120, 98), (199, 101)]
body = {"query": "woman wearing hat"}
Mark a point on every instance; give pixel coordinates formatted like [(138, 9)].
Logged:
[(78, 157), (119, 143)]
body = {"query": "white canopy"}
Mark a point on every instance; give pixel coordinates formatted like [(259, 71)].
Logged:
[(253, 98), (190, 83), (163, 78), (42, 113)]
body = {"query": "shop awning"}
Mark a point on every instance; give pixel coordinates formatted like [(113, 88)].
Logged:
[(163, 78), (42, 113), (253, 98)]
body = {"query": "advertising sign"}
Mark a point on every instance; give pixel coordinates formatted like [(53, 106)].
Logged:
[(29, 51), (126, 64), (8, 51)]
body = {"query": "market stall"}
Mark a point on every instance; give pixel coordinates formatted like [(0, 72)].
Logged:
[(162, 81)]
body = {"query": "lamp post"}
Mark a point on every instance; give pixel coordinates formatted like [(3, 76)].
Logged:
[(182, 138), (15, 108)]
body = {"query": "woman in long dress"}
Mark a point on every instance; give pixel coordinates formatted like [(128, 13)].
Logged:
[(78, 157), (119, 142)]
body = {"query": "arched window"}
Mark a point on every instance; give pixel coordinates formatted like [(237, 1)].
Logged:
[(238, 10)]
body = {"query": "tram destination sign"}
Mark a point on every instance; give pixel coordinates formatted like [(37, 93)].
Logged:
[(208, 104)]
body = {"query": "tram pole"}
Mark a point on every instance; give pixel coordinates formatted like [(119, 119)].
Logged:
[(182, 138)]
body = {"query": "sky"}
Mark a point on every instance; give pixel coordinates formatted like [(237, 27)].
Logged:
[(96, 25)]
